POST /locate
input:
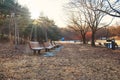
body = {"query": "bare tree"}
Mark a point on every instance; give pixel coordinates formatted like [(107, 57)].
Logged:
[(79, 25), (92, 18)]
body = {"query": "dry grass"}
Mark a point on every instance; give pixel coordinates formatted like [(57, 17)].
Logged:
[(73, 62)]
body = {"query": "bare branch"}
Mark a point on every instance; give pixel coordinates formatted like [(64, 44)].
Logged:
[(114, 15), (115, 10)]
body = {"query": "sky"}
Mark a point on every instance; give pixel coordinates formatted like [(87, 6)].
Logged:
[(53, 9)]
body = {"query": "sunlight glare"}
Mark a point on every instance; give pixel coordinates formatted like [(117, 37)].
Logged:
[(35, 15), (53, 9)]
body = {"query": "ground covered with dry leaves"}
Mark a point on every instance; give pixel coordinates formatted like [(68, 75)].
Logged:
[(73, 62)]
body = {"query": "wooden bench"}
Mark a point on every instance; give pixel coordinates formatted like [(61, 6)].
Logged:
[(35, 46), (54, 44), (48, 46)]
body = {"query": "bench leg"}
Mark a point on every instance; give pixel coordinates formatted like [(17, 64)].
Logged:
[(38, 51), (46, 50), (34, 51)]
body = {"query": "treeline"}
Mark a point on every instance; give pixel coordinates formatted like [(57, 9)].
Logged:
[(108, 32), (12, 14), (17, 26), (42, 29)]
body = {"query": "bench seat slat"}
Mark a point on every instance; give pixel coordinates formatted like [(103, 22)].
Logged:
[(37, 48), (49, 47)]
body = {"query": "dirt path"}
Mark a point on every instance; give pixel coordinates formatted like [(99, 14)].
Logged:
[(73, 62)]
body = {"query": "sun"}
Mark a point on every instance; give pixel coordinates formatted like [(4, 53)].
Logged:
[(35, 14)]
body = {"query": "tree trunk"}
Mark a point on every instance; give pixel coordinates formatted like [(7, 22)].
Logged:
[(93, 39), (11, 39), (84, 39), (2, 35)]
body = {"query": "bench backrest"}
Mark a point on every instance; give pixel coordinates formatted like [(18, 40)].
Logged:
[(34, 44), (46, 44)]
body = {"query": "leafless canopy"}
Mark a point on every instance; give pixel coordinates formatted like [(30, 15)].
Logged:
[(113, 6), (93, 18)]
